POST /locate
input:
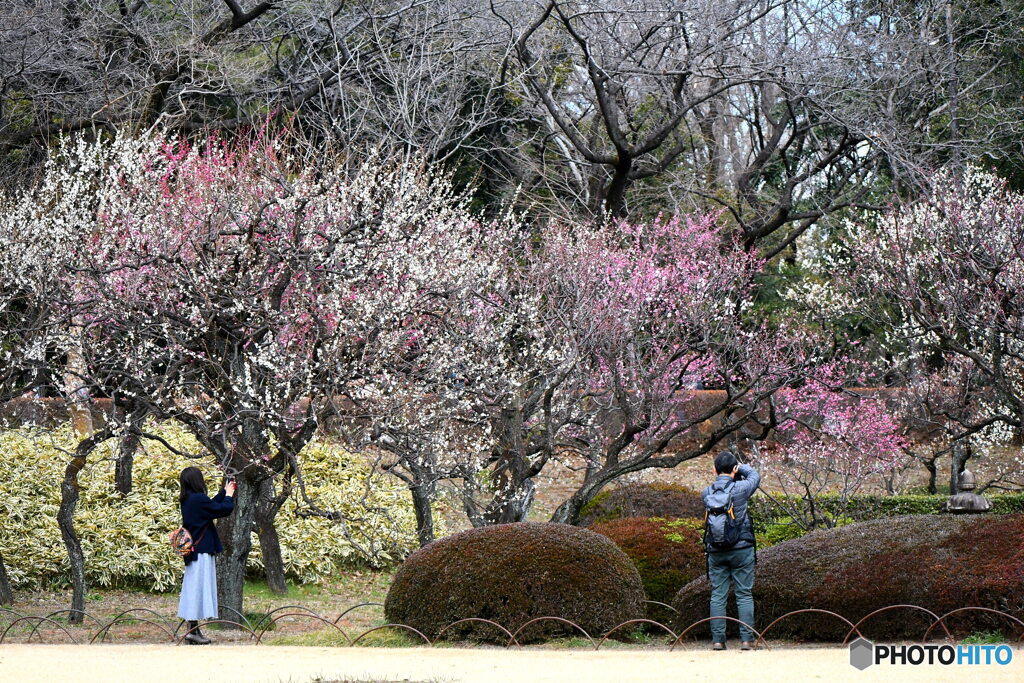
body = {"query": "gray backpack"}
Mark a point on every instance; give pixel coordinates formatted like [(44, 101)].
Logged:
[(722, 529)]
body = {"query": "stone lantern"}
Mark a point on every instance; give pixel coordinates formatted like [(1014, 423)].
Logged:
[(967, 501)]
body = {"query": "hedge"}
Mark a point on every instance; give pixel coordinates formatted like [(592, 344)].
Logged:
[(512, 573), (125, 539), (653, 499), (668, 554), (937, 562), (866, 507)]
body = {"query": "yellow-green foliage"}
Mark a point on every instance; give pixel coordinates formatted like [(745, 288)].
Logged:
[(125, 540)]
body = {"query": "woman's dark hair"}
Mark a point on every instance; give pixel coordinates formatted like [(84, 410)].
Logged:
[(191, 482), (725, 462)]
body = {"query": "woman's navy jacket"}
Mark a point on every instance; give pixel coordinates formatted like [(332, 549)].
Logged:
[(197, 516)]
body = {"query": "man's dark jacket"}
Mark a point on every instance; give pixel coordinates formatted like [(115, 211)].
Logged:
[(197, 516)]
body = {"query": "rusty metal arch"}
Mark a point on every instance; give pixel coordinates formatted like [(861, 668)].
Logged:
[(63, 611), (268, 615), (764, 632), (661, 604), (635, 621), (892, 607), (259, 638), (120, 619), (355, 607), (212, 621), (942, 619), (408, 628), (707, 619), (237, 614), (16, 613), (512, 638), (11, 625), (147, 611), (558, 619)]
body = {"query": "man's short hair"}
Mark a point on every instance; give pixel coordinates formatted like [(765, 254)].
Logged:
[(725, 462)]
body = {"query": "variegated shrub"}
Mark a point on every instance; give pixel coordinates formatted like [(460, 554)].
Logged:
[(125, 539)]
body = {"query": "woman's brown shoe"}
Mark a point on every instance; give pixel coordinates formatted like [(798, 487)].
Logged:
[(746, 645), (718, 646)]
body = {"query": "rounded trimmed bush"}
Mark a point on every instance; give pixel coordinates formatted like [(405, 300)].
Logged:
[(940, 563), (511, 573), (668, 553), (652, 499)]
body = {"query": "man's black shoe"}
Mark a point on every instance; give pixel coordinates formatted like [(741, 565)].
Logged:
[(718, 646)]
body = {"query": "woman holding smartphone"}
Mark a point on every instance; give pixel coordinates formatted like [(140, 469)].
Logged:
[(199, 586)]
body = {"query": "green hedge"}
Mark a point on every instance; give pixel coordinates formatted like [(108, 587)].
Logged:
[(125, 539), (866, 507)]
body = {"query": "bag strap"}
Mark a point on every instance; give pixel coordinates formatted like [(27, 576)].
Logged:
[(195, 542)]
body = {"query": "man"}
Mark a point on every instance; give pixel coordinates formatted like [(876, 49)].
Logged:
[(729, 543)]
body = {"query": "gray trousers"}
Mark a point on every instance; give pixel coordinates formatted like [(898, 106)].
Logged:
[(736, 566)]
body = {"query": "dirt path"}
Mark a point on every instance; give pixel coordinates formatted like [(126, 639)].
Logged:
[(135, 663)]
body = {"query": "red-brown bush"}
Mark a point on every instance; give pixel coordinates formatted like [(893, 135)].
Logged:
[(511, 573), (654, 499), (667, 553), (938, 562)]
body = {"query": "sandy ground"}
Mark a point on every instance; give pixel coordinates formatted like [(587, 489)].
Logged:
[(225, 663)]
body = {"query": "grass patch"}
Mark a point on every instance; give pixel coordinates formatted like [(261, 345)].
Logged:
[(571, 642), (258, 589), (984, 638), (329, 637), (390, 637)]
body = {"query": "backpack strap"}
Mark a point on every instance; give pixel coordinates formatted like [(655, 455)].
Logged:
[(728, 486)]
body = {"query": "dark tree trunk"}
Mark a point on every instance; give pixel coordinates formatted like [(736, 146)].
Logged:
[(422, 499), (615, 196), (569, 511), (66, 520), (933, 474), (69, 493), (961, 454), (125, 461), (6, 594), (267, 507), (514, 486), (235, 533)]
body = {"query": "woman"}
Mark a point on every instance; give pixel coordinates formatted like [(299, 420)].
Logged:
[(199, 587)]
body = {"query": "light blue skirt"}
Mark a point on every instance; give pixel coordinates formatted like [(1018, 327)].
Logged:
[(199, 589)]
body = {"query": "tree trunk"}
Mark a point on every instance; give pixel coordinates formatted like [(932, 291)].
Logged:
[(267, 507), (422, 498), (6, 594), (78, 401), (615, 196), (69, 493), (933, 474), (511, 504), (124, 464), (513, 481), (569, 511), (235, 533)]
